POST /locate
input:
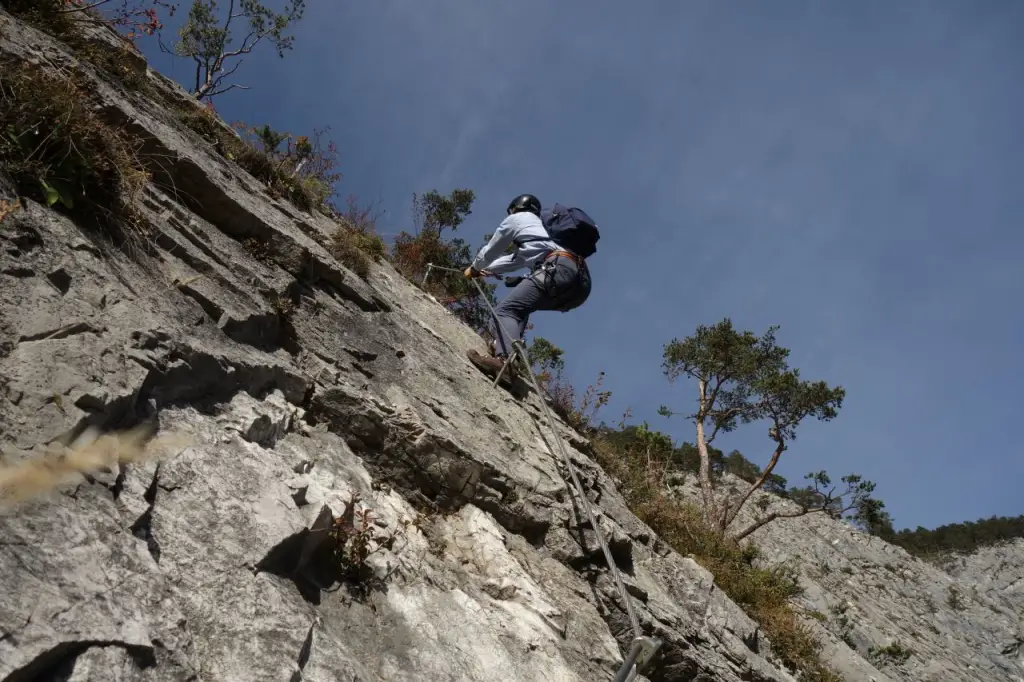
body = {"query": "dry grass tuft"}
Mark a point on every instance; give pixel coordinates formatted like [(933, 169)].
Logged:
[(59, 152), (92, 451), (356, 249), (51, 17), (8, 207), (304, 192)]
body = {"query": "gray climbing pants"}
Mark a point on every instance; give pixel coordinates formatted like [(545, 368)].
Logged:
[(557, 283)]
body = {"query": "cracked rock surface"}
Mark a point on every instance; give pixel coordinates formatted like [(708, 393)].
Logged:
[(216, 562)]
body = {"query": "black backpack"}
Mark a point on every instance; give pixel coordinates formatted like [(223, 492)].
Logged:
[(569, 227)]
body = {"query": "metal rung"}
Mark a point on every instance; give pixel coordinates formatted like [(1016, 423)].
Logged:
[(641, 653)]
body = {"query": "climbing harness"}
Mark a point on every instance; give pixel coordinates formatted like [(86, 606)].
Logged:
[(642, 649)]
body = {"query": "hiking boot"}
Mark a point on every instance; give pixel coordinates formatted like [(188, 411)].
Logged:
[(489, 365)]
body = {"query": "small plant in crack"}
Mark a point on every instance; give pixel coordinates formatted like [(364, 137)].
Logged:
[(356, 538), (955, 600), (818, 616), (842, 625), (894, 653), (282, 305), (284, 308), (259, 249)]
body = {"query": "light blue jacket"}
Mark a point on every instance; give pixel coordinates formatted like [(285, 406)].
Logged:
[(521, 224)]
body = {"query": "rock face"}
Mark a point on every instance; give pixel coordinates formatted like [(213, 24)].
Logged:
[(997, 572), (876, 605), (219, 560)]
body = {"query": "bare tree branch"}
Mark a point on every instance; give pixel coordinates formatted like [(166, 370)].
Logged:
[(233, 86), (803, 511), (199, 72), (163, 46), (214, 84), (720, 419), (207, 38), (734, 510), (226, 33)]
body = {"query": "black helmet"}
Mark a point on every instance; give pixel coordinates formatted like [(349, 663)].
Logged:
[(524, 202)]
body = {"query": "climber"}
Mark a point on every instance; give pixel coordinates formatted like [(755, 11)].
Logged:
[(554, 245)]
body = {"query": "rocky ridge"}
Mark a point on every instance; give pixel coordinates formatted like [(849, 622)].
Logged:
[(299, 385)]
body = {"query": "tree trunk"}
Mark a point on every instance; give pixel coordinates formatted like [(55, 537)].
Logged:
[(707, 489)]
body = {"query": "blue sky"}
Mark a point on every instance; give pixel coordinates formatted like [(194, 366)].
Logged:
[(849, 171)]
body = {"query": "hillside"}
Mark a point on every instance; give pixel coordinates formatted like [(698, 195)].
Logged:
[(342, 495), (910, 618)]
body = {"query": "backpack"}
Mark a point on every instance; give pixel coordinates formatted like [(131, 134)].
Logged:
[(569, 227)]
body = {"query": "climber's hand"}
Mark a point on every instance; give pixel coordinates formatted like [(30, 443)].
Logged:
[(472, 273)]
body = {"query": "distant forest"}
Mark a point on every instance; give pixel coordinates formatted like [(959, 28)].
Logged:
[(957, 537)]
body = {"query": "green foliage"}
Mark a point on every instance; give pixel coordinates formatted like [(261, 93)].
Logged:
[(685, 459), (654, 449), (206, 38), (775, 484), (842, 626), (354, 249), (545, 359), (360, 223), (743, 378), (746, 378), (302, 171), (870, 515), (817, 497), (269, 139), (432, 213), (738, 465), (822, 496), (59, 152)]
